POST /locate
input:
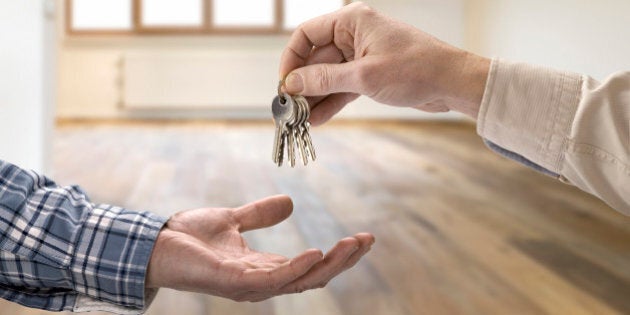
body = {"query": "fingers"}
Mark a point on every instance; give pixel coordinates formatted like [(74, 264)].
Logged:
[(328, 54), (262, 284), (316, 32), (366, 241), (336, 27), (433, 108), (325, 78), (269, 280), (325, 54), (329, 107), (263, 213), (335, 261)]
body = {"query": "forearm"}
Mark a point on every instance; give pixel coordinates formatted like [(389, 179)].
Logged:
[(564, 124), (463, 81), (61, 252)]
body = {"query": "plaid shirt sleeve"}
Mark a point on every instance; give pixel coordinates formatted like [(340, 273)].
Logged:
[(60, 252)]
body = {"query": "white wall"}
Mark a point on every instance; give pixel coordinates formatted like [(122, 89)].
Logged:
[(24, 92), (591, 37), (89, 67)]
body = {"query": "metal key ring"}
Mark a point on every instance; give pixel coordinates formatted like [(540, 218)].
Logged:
[(280, 94)]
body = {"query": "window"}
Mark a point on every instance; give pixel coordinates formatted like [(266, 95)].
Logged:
[(192, 16), (96, 15), (251, 13), (169, 13), (298, 11)]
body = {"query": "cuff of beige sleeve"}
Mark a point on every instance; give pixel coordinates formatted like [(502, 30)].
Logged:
[(529, 110)]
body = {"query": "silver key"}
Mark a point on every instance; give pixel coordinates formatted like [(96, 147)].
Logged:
[(304, 128), (291, 147), (309, 142), (302, 116), (283, 114), (283, 144)]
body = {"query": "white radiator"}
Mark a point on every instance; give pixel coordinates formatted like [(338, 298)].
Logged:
[(179, 80)]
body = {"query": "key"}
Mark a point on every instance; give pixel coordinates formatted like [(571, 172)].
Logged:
[(282, 145), (291, 147), (302, 116), (305, 135), (290, 130), (283, 114), (308, 141), (277, 109)]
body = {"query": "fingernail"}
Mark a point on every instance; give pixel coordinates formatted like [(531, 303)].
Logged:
[(294, 83)]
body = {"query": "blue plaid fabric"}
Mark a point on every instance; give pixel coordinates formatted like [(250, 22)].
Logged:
[(56, 246)]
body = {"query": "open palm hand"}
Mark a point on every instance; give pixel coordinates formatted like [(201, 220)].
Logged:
[(203, 251)]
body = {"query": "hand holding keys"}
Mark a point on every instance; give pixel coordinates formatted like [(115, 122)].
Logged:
[(291, 114)]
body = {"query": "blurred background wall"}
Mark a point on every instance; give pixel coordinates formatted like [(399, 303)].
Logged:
[(589, 37), (27, 90)]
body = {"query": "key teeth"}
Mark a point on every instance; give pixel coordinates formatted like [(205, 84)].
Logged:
[(280, 160)]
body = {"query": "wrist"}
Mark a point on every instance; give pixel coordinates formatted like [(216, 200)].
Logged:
[(154, 279), (467, 83)]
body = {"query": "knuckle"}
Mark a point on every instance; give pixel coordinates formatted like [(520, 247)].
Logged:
[(301, 26), (323, 76), (358, 5), (366, 9), (361, 7)]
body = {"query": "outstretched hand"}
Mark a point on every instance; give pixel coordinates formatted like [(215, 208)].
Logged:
[(203, 251)]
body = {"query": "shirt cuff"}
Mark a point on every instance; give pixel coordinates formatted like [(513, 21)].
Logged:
[(519, 158), (111, 260), (528, 110), (85, 303)]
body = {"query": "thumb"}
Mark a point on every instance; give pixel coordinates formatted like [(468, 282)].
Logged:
[(324, 79), (263, 213)]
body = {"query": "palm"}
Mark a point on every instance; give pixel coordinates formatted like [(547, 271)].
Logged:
[(222, 240), (205, 252)]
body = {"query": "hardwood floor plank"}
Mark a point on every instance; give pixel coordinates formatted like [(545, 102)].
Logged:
[(609, 288)]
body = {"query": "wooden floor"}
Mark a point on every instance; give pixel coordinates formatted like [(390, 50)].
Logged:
[(459, 229)]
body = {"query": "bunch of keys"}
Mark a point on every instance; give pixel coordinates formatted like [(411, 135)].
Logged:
[(291, 114)]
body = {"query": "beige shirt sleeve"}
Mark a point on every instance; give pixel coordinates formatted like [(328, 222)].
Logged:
[(564, 122)]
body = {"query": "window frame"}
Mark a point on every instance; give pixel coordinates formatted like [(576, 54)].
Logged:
[(207, 28)]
